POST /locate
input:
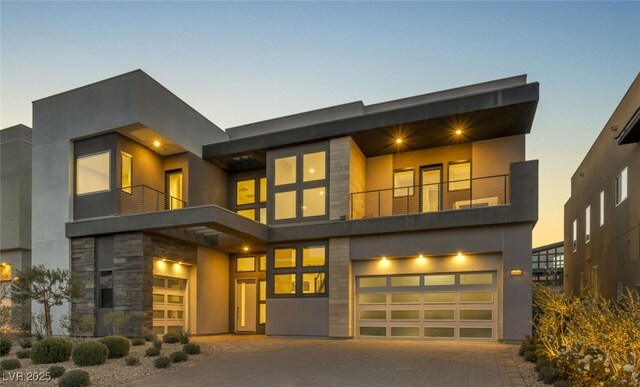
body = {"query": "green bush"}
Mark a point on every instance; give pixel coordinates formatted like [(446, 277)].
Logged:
[(149, 336), (561, 383), (10, 364), (178, 356), (23, 354), (191, 349), (5, 345), (171, 338), (56, 371), (528, 340), (74, 378), (162, 362), (132, 361), (184, 335), (548, 374), (541, 363), (51, 350), (152, 351), (137, 341), (25, 342), (531, 356), (157, 343), (118, 346), (89, 353)]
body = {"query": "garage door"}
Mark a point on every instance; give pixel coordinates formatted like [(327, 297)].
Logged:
[(438, 306), (169, 301)]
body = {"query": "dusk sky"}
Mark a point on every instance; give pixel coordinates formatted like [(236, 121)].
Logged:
[(238, 63)]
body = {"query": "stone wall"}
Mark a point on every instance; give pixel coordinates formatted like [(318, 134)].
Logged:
[(340, 289), (83, 269)]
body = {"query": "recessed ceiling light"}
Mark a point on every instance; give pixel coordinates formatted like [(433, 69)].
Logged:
[(458, 132), (245, 248), (398, 141), (156, 143)]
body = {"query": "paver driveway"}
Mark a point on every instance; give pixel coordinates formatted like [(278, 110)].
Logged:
[(266, 361)]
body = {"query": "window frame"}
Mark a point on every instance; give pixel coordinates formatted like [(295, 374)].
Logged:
[(77, 175), (622, 186), (126, 188), (452, 184), (575, 236), (601, 208), (587, 224), (298, 270), (257, 204), (410, 188)]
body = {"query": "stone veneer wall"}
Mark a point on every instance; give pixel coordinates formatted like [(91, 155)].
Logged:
[(83, 269), (339, 150), (340, 289)]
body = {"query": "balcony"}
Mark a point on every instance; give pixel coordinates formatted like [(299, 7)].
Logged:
[(427, 198), (140, 199)]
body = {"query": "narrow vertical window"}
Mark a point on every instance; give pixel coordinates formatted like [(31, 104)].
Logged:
[(587, 224), (602, 208), (106, 289), (575, 235), (621, 186), (126, 169), (263, 190)]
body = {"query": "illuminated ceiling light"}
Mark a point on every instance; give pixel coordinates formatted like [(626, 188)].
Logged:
[(421, 258), (459, 254), (245, 248), (458, 132), (516, 272), (164, 259), (384, 258), (398, 141), (156, 143), (180, 263)]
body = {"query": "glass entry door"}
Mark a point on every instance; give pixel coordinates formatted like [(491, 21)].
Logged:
[(431, 187), (173, 189)]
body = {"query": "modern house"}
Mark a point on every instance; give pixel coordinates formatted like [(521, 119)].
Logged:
[(547, 265), (404, 219), (15, 204), (602, 216)]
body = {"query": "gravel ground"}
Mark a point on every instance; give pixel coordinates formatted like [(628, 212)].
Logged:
[(113, 373), (529, 375)]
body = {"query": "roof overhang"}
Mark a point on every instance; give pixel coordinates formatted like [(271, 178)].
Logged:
[(481, 116)]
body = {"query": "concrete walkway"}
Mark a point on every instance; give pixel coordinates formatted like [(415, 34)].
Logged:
[(264, 361)]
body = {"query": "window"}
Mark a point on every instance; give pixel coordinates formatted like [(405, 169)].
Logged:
[(245, 264), (5, 272), (313, 202), (602, 208), (476, 279), (313, 256), (621, 186), (246, 192), (403, 183), (439, 280), (285, 204), (250, 213), (262, 263), (92, 173), (285, 257), (284, 284), (106, 289), (575, 235), (587, 224), (262, 298), (459, 176), (263, 190), (285, 171), (313, 283), (126, 179), (314, 166), (263, 215), (300, 270)]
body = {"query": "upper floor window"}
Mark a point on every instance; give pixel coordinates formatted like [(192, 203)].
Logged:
[(602, 208), (587, 224), (403, 183), (459, 176), (251, 197), (621, 186), (285, 170), (92, 173), (575, 235), (314, 166), (126, 172), (246, 192)]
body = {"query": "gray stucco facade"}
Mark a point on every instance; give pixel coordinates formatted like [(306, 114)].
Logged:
[(337, 198)]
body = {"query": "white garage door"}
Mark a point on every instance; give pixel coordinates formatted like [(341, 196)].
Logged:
[(448, 305)]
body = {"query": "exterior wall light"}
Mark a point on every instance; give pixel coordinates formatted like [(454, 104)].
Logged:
[(421, 259), (516, 272)]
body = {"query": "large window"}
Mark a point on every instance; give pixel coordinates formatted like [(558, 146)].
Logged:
[(126, 172), (587, 224), (403, 182), (299, 270), (621, 186), (459, 176), (92, 173)]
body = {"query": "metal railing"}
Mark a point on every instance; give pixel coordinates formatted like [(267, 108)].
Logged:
[(141, 198), (425, 198)]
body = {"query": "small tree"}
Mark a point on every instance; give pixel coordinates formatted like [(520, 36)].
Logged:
[(47, 287)]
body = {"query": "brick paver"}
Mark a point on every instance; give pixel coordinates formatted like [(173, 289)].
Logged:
[(265, 361)]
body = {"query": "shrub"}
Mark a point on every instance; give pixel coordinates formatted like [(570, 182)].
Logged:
[(149, 336), (137, 341), (171, 338), (51, 350), (56, 371), (157, 343), (23, 354), (178, 356), (541, 363), (191, 349), (162, 362), (528, 340), (89, 353), (132, 361), (25, 342), (561, 383), (10, 364), (531, 356), (184, 335), (548, 374), (5, 345), (74, 378), (152, 351), (118, 346)]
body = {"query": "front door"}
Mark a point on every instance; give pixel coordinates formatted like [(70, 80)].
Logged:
[(173, 189), (431, 188), (245, 305)]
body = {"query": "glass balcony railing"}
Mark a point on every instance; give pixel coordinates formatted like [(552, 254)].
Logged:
[(141, 198), (426, 198)]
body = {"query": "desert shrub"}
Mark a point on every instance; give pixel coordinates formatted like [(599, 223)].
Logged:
[(5, 345), (118, 346), (51, 350), (541, 363), (132, 361), (152, 351), (531, 356), (157, 343), (178, 356), (10, 364), (162, 362), (114, 321), (561, 383), (74, 378), (25, 342), (191, 349), (184, 335), (23, 354), (171, 338), (56, 371), (149, 336), (89, 353), (528, 340), (137, 341)]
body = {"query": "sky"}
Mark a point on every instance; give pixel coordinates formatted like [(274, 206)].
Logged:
[(241, 62)]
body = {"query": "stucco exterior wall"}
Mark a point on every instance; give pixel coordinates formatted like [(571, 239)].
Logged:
[(212, 292)]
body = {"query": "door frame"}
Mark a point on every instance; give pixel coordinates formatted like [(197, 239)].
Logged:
[(167, 188), (254, 307), (431, 167)]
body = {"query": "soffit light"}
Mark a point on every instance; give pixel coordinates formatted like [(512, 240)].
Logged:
[(245, 248), (516, 272), (398, 141), (156, 143), (459, 132)]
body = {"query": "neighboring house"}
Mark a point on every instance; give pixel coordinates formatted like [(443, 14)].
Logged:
[(15, 204), (405, 219), (602, 216), (547, 265)]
